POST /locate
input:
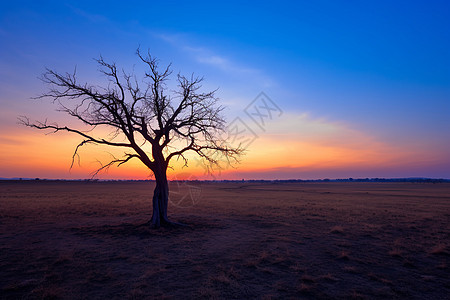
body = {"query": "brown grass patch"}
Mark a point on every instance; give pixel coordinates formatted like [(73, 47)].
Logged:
[(440, 249), (247, 240), (337, 229), (396, 252)]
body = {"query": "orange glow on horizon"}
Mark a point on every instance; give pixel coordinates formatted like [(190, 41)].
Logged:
[(315, 145)]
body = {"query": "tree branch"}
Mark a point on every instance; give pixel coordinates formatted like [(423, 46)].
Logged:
[(140, 111)]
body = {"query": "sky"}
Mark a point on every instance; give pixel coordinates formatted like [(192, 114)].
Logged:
[(358, 89)]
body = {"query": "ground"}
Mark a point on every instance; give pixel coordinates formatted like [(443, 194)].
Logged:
[(85, 240)]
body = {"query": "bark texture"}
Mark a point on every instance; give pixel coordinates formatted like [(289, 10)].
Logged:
[(160, 200)]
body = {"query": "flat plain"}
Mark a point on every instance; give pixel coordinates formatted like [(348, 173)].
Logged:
[(328, 240)]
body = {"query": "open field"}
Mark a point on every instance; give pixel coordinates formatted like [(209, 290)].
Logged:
[(77, 240)]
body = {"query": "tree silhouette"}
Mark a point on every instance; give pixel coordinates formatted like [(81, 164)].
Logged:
[(146, 119)]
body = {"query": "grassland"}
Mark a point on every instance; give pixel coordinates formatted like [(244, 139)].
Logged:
[(78, 240)]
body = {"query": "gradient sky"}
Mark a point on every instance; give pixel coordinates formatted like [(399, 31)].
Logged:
[(364, 86)]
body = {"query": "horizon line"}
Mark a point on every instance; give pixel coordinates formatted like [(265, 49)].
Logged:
[(349, 179)]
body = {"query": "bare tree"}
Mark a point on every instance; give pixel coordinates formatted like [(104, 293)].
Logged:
[(147, 120)]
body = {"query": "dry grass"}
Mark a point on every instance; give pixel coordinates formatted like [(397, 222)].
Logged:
[(396, 252), (74, 240), (344, 255), (351, 269), (440, 249), (328, 277), (337, 229)]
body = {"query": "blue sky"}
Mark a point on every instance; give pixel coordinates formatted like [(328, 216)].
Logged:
[(379, 67)]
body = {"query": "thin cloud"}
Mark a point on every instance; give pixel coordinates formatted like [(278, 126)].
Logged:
[(298, 145), (94, 18), (209, 57), (206, 56)]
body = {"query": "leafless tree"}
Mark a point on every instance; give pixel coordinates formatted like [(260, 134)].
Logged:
[(147, 120)]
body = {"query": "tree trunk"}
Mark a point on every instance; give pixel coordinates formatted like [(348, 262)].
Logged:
[(161, 193), (160, 200)]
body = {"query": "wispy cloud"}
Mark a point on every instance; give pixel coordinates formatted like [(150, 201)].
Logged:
[(301, 142), (298, 145), (215, 60), (220, 61), (207, 56), (94, 18)]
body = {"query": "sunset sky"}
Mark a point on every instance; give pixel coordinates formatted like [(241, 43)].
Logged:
[(362, 87)]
